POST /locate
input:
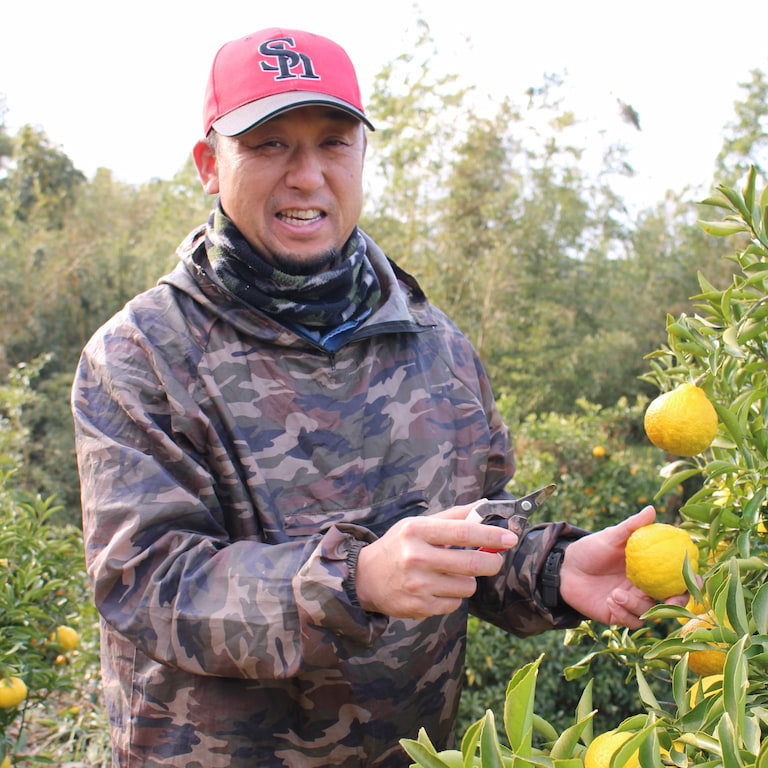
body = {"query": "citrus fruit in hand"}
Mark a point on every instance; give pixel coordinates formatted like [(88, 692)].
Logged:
[(706, 662), (13, 691), (602, 748), (682, 422), (655, 555), (66, 638)]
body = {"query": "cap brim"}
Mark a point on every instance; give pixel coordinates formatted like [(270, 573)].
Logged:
[(256, 112)]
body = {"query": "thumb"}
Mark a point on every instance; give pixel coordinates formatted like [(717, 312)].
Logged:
[(644, 517)]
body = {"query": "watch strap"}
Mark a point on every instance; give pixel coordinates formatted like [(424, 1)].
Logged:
[(549, 578)]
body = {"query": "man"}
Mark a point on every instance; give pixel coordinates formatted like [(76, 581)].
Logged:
[(278, 447)]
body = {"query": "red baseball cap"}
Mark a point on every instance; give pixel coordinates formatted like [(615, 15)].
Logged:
[(275, 70)]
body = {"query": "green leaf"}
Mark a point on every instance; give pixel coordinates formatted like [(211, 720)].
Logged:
[(471, 738), (731, 423), (762, 757), (748, 191), (566, 743), (736, 201), (518, 707), (759, 609), (676, 479), (585, 710), (735, 684), (728, 743), (490, 749), (735, 607), (649, 751), (645, 691), (544, 728), (721, 228), (680, 686), (423, 752), (717, 201)]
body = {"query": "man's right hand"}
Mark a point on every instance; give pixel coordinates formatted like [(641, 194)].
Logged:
[(425, 566)]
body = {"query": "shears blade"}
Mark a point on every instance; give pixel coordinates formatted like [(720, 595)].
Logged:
[(511, 513)]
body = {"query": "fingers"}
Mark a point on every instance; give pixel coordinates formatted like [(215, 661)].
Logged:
[(441, 531), (626, 606)]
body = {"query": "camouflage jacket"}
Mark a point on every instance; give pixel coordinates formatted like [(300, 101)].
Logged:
[(227, 465)]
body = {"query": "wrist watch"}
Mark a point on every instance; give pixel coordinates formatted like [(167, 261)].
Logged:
[(549, 579)]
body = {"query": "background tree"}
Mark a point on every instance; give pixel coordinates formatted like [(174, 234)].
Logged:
[(746, 137)]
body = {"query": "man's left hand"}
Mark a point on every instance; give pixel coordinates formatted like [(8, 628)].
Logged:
[(593, 578)]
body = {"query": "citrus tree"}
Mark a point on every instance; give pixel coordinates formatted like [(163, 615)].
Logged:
[(710, 657)]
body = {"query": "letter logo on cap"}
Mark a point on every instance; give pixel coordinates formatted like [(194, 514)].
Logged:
[(287, 60)]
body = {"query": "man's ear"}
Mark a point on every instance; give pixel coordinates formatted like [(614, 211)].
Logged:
[(205, 162)]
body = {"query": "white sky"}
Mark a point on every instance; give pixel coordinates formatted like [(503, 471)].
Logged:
[(121, 85)]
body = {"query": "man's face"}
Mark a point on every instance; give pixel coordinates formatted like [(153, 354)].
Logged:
[(292, 186)]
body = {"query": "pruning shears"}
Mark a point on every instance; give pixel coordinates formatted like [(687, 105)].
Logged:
[(510, 513)]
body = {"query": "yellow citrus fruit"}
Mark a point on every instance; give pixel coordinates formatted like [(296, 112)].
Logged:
[(602, 748), (682, 422), (709, 662), (6, 762), (655, 555), (598, 451), (66, 638), (13, 691)]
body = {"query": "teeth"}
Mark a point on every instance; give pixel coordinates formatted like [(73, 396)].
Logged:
[(297, 216)]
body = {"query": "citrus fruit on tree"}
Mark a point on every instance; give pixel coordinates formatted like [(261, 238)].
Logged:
[(13, 691), (602, 748), (6, 762), (682, 422), (655, 555), (66, 638), (705, 662)]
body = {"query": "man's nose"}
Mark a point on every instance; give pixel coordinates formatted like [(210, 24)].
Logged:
[(305, 169)]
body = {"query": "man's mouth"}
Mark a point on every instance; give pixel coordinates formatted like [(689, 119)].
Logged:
[(300, 218)]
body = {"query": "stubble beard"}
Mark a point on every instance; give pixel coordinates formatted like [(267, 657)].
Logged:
[(303, 266)]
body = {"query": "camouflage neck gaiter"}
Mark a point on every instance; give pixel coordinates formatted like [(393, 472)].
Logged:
[(346, 292)]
